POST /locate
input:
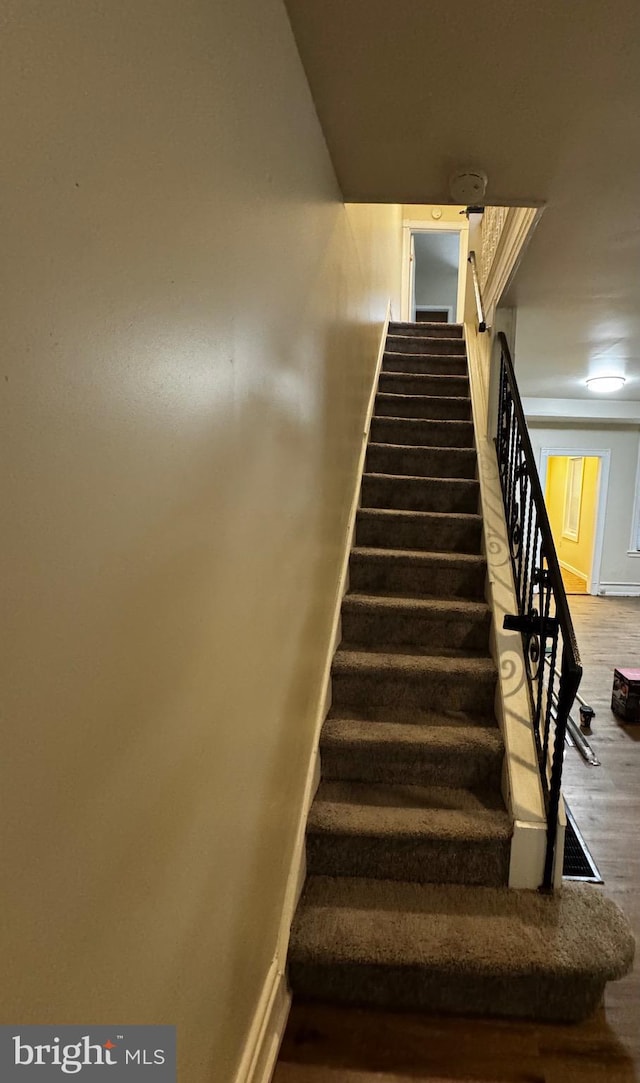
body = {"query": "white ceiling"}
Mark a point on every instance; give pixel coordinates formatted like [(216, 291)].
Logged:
[(545, 96)]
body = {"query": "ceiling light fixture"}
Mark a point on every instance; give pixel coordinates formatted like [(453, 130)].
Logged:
[(605, 383)]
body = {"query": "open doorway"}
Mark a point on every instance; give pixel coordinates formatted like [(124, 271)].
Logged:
[(435, 277), (574, 485), (435, 265)]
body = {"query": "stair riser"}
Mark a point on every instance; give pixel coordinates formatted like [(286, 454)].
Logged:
[(435, 408), (424, 364), (428, 329), (426, 861), (397, 383), (452, 347), (426, 690), (386, 430), (414, 579), (395, 764), (370, 628), (408, 494), (422, 462), (535, 996), (437, 536)]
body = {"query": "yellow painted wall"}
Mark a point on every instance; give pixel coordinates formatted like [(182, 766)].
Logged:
[(191, 324), (578, 555)]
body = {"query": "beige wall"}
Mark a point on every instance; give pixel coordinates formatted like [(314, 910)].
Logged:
[(192, 319), (578, 555), (423, 212)]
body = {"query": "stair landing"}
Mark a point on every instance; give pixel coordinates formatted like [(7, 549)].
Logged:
[(436, 947)]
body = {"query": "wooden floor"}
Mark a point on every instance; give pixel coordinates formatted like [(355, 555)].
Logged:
[(327, 1045), (573, 584)]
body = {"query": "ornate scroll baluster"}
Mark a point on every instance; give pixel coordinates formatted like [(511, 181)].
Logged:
[(543, 613)]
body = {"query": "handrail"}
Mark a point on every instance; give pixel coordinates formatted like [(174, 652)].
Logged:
[(482, 322), (543, 616)]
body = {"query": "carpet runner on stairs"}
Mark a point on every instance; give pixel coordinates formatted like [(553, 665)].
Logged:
[(408, 840)]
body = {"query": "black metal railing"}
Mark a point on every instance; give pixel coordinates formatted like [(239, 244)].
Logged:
[(552, 660), (576, 733)]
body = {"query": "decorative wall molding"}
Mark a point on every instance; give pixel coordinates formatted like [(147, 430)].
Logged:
[(493, 221), (511, 241)]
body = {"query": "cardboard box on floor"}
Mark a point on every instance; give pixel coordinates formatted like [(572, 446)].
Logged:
[(625, 697)]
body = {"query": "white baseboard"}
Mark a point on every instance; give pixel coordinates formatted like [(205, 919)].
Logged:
[(574, 571), (270, 1018), (620, 590), (263, 1043)]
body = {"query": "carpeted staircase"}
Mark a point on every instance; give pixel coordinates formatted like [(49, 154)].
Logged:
[(408, 839)]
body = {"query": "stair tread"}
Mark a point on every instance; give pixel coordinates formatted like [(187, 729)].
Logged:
[(414, 716), (388, 810), (398, 340), (425, 359), (399, 353), (417, 651), (436, 377), (426, 355), (463, 516), (442, 608), (417, 556), (428, 531), (399, 419), (429, 347), (349, 659), (397, 396), (421, 330), (473, 482), (460, 735), (410, 325), (459, 928), (414, 431), (468, 452), (387, 418), (428, 340)]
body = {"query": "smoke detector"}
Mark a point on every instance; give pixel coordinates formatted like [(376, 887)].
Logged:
[(468, 185)]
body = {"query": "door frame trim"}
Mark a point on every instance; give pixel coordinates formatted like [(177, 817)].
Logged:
[(604, 454), (410, 226)]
